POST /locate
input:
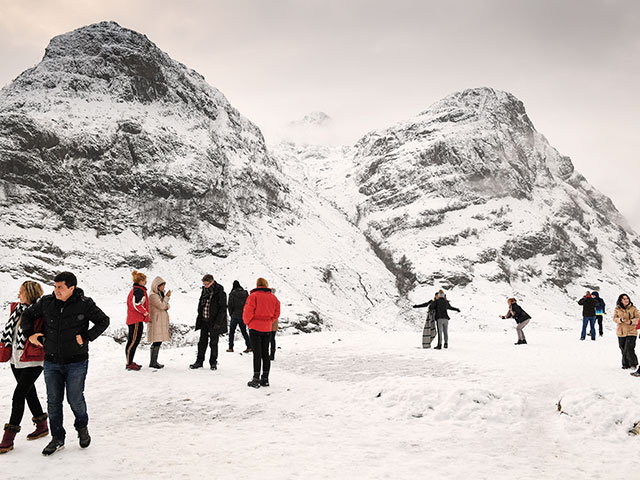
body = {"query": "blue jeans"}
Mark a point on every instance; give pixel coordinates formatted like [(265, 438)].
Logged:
[(238, 322), (57, 377), (592, 323)]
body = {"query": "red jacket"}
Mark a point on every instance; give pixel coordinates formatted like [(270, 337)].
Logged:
[(261, 310), (137, 305), (31, 352)]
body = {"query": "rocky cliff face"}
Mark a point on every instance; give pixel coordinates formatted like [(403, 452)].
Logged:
[(108, 132), (469, 195), (114, 156)]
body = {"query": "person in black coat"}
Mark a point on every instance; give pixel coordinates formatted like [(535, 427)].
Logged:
[(66, 338), (237, 299), (441, 305), (589, 305), (520, 316), (429, 330), (211, 320)]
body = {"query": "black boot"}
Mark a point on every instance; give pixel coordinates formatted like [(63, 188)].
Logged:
[(264, 381), (155, 350), (438, 347), (519, 342), (198, 364), (524, 342), (54, 445), (83, 436), (255, 382)]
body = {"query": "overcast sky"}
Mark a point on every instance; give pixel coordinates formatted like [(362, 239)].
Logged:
[(368, 64)]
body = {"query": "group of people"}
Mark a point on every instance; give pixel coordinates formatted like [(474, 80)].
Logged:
[(438, 320), (51, 334), (211, 320)]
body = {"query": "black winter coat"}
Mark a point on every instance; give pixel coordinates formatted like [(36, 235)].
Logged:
[(441, 307), (517, 313), (589, 305), (216, 321), (62, 322), (237, 299)]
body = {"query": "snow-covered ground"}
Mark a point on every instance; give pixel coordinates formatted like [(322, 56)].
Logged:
[(367, 404)]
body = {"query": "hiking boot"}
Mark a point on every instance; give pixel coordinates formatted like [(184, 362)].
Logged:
[(54, 445), (42, 427), (10, 432), (264, 382), (83, 437), (193, 366), (248, 350), (134, 367), (230, 350), (255, 383), (214, 366), (438, 347)]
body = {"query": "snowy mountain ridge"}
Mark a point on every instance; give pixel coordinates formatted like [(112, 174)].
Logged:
[(113, 156)]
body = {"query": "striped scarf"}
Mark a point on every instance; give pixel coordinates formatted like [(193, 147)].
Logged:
[(10, 327)]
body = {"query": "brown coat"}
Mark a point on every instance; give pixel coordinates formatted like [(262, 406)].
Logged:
[(158, 326), (622, 316)]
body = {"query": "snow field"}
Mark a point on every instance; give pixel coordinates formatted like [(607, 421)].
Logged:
[(355, 405)]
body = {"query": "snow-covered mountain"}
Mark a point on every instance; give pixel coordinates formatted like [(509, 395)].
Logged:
[(114, 156), (469, 196)]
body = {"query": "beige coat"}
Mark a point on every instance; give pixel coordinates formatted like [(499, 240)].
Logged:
[(158, 326), (622, 316)]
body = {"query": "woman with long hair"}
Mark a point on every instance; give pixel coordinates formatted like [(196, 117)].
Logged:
[(261, 310), (626, 316), (27, 362), (158, 329), (137, 316), (520, 316)]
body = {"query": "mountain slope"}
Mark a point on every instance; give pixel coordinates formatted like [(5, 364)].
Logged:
[(114, 156)]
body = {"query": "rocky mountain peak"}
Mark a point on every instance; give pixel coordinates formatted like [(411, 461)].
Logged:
[(484, 103)]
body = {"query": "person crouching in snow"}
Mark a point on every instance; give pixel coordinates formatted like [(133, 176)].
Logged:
[(626, 316), (137, 316), (158, 329), (520, 316), (261, 310), (429, 330)]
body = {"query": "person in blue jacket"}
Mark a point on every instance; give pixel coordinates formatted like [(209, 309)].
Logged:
[(601, 309)]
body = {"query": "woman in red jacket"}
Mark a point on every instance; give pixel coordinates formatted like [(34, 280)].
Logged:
[(137, 316), (260, 311), (26, 364)]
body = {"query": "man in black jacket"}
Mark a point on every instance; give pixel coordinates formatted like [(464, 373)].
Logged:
[(237, 299), (211, 320), (441, 305), (589, 305), (66, 314)]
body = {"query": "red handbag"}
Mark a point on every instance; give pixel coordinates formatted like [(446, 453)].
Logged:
[(5, 352)]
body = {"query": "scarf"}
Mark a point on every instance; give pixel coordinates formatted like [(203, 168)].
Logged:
[(205, 301), (10, 327)]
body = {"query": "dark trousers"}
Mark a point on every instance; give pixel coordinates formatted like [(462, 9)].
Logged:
[(628, 348), (133, 340), (272, 344), (260, 347), (25, 391), (206, 337), (156, 344), (599, 320), (71, 377), (238, 322)]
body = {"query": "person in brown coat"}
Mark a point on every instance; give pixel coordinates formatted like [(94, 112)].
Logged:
[(626, 316), (158, 330)]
